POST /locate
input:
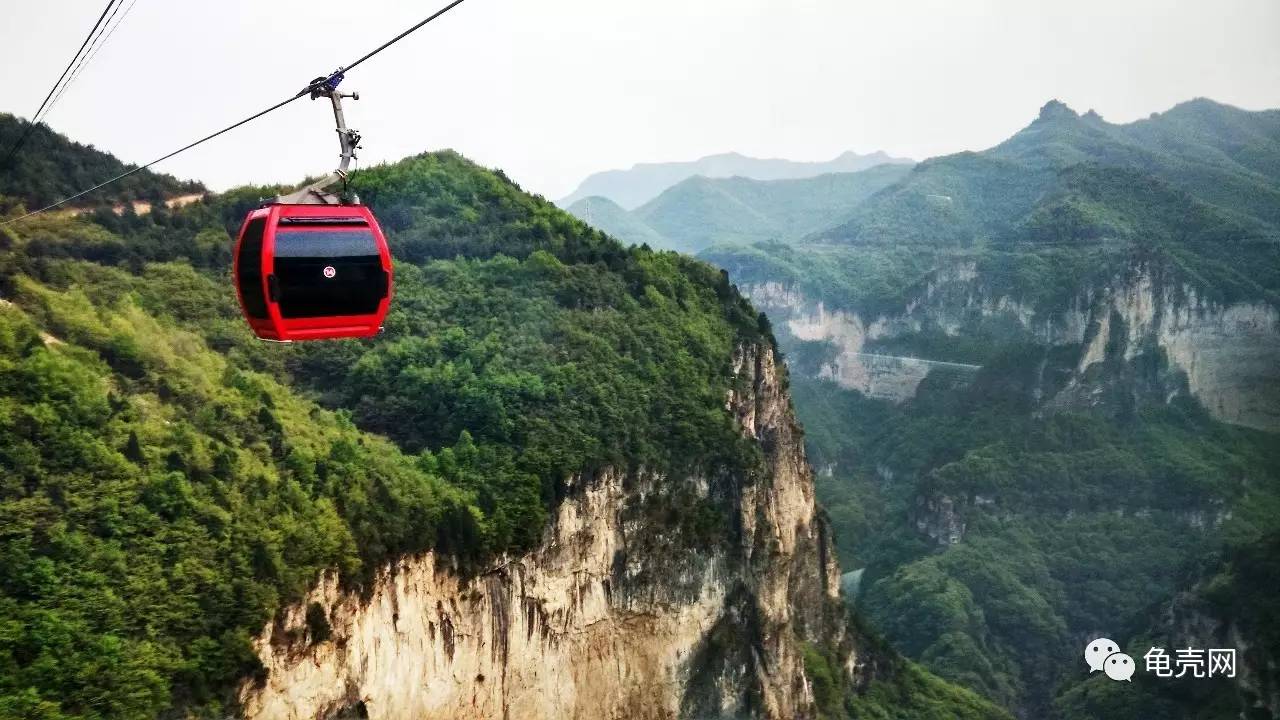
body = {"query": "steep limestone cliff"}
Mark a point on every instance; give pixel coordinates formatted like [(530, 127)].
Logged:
[(649, 597), (1225, 351)]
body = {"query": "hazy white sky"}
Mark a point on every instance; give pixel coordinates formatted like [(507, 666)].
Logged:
[(551, 90)]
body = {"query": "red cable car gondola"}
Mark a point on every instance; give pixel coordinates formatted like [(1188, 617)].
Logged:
[(313, 272), (312, 265)]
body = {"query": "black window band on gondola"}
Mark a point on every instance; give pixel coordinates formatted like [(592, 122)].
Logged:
[(323, 273), (325, 243), (303, 289)]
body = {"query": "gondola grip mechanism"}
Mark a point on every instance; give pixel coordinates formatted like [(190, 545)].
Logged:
[(316, 193)]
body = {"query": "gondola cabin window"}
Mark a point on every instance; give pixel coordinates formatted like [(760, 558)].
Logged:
[(324, 271)]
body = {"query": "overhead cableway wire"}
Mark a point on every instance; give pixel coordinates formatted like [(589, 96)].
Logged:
[(93, 48), (318, 83), (107, 31), (404, 34), (114, 29), (140, 168), (32, 124)]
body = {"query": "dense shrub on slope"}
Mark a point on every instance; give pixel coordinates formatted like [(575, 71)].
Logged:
[(158, 504), (1074, 522)]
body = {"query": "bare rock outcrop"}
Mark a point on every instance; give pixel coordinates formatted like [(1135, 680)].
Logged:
[(627, 609)]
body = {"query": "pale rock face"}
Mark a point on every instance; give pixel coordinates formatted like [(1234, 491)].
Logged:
[(872, 374), (610, 617), (1187, 624), (1230, 354), (937, 518)]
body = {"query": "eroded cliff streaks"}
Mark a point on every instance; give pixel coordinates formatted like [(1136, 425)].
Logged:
[(616, 614), (1226, 351)]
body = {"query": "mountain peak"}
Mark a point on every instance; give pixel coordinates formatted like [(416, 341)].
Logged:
[(1200, 106), (731, 155), (876, 155), (592, 202), (1055, 109), (1202, 102)]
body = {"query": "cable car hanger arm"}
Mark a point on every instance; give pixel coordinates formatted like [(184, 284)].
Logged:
[(316, 193)]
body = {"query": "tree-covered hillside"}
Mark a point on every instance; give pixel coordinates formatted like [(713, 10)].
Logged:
[(1006, 513), (609, 217), (50, 167), (1227, 156), (1063, 203), (1069, 524), (169, 482)]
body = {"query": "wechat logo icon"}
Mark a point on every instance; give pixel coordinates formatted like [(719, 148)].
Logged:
[(1104, 654), (1097, 651), (1120, 667)]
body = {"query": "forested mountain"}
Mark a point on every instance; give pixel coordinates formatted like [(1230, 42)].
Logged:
[(50, 167), (1040, 384), (609, 217), (186, 511), (702, 211), (645, 181), (989, 196), (1225, 156)]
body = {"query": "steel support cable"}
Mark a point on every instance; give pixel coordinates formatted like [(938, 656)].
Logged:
[(320, 82), (140, 168), (114, 29), (93, 48), (404, 34), (107, 31), (31, 125)]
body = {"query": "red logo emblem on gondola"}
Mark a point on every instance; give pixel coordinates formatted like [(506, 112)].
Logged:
[(329, 272)]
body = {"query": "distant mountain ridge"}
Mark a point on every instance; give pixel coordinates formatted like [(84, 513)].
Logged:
[(604, 214), (641, 183), (1226, 157), (699, 212)]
